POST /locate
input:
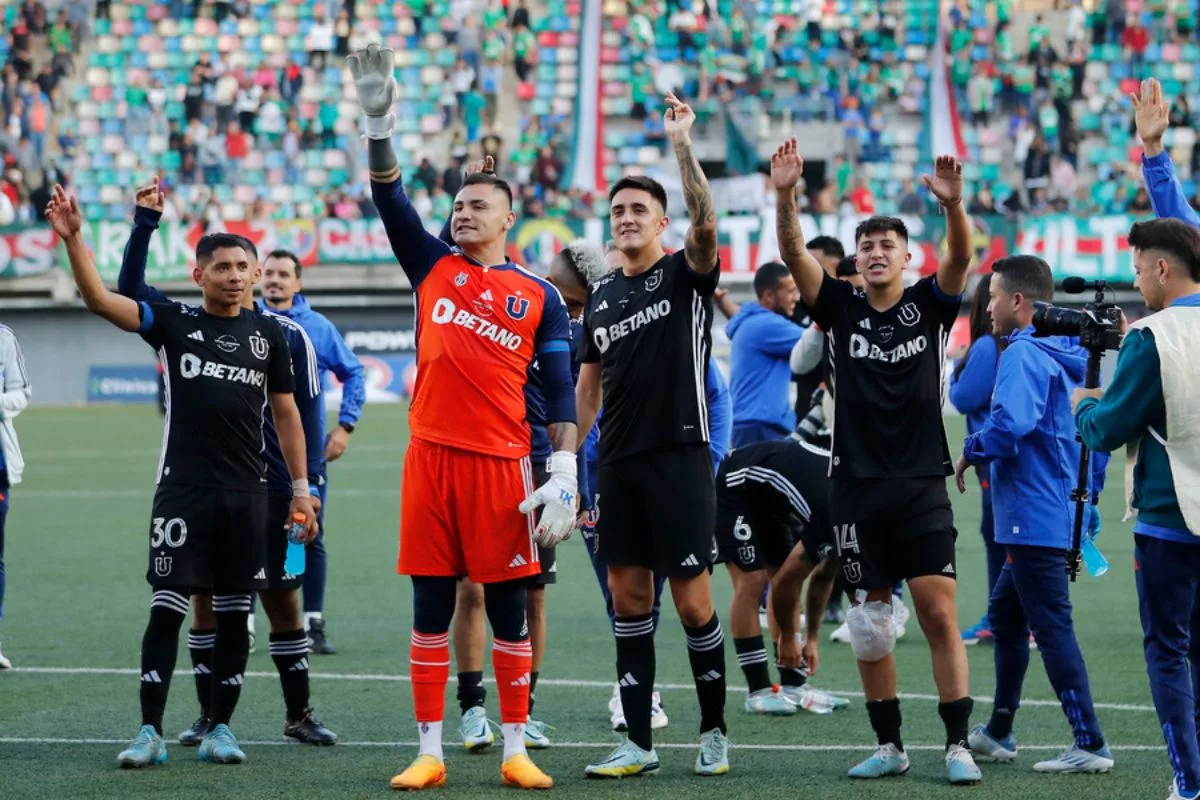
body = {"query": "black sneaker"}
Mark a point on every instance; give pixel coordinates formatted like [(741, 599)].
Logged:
[(195, 734), (317, 643), (309, 730)]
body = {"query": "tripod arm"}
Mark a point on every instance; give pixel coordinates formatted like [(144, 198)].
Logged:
[(1081, 493)]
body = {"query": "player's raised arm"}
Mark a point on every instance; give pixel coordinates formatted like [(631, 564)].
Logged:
[(787, 168), (64, 216), (701, 245), (131, 282), (946, 184), (416, 249)]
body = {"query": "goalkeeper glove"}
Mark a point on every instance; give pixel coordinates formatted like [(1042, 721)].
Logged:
[(373, 71), (557, 498)]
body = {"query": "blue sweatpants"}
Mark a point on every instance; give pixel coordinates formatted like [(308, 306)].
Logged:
[(1032, 593), (315, 564), (1168, 586), (3, 518), (996, 554)]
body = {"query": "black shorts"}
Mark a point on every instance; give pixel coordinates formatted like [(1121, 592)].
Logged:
[(278, 579), (206, 539), (890, 530), (659, 511), (754, 540)]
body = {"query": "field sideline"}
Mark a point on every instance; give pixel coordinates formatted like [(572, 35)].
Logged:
[(77, 603)]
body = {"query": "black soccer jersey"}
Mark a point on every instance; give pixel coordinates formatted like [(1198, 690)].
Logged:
[(887, 375), (651, 334), (218, 371), (785, 480)]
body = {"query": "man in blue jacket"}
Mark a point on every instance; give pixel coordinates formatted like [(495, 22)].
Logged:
[(281, 294), (1148, 405), (1029, 441), (763, 335)]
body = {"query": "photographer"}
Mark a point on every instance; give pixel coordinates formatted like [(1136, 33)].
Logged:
[(1150, 406), (1028, 440)]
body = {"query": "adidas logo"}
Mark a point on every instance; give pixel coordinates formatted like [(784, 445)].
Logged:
[(948, 569), (196, 336), (151, 677), (865, 324), (628, 680), (603, 306), (487, 295), (690, 561), (236, 680), (299, 666), (201, 669), (261, 575), (711, 675), (518, 561), (521, 681)]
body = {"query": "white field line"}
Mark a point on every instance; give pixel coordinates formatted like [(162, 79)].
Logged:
[(400, 678)]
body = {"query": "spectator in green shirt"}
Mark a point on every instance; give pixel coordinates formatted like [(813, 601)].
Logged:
[(1038, 32), (473, 104), (960, 38), (1048, 121), (523, 42), (59, 34)]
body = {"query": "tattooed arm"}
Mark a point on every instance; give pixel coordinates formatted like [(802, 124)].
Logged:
[(701, 246), (787, 167)]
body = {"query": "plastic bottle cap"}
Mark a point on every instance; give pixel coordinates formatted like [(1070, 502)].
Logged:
[(298, 517)]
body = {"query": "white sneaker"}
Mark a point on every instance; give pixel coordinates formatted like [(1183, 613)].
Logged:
[(4, 662), (658, 717), (1178, 795), (841, 634), (762, 618), (900, 615), (617, 718)]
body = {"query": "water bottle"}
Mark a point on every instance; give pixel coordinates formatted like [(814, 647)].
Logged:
[(1093, 559), (294, 563)]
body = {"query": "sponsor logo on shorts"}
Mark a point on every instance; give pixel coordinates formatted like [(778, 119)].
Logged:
[(948, 569), (746, 554), (261, 575), (690, 561), (162, 566), (518, 561)]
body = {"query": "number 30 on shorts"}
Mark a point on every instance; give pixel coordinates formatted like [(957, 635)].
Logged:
[(171, 532)]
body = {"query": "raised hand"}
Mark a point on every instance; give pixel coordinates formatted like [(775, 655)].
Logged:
[(679, 117), (373, 70), (1151, 114), (63, 214), (946, 183), (787, 167), (485, 165), (150, 197)]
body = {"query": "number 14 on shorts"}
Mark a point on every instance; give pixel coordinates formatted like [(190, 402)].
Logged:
[(847, 538)]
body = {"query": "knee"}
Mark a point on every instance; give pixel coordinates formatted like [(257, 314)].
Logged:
[(470, 597), (750, 585), (694, 612), (283, 610), (506, 606), (630, 598), (939, 619), (202, 614), (433, 604)]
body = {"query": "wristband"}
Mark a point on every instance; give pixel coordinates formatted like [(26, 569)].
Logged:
[(380, 127), (563, 462), (300, 487)]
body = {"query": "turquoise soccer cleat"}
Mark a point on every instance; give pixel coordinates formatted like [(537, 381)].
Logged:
[(625, 762), (988, 748), (713, 758), (960, 766), (146, 750), (887, 761), (535, 735), (475, 731), (220, 746)]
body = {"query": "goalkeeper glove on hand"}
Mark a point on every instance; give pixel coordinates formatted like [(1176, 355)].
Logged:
[(558, 499), (373, 70)]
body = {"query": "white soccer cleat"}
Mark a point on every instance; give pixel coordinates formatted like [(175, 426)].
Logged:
[(4, 662), (617, 712), (900, 616), (841, 634), (658, 716), (1176, 794), (1075, 759)]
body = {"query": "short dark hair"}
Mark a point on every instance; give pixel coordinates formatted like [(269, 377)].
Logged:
[(872, 225), (768, 276), (641, 182), (248, 246), (211, 242), (829, 245), (1175, 238), (289, 255), (847, 267), (488, 179), (1029, 275)]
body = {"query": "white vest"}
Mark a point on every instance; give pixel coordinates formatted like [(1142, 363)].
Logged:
[(1177, 337)]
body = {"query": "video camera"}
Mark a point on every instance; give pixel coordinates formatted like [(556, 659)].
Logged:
[(1097, 324)]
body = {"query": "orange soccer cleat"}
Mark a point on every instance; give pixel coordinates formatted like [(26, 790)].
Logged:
[(425, 772), (519, 771)]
